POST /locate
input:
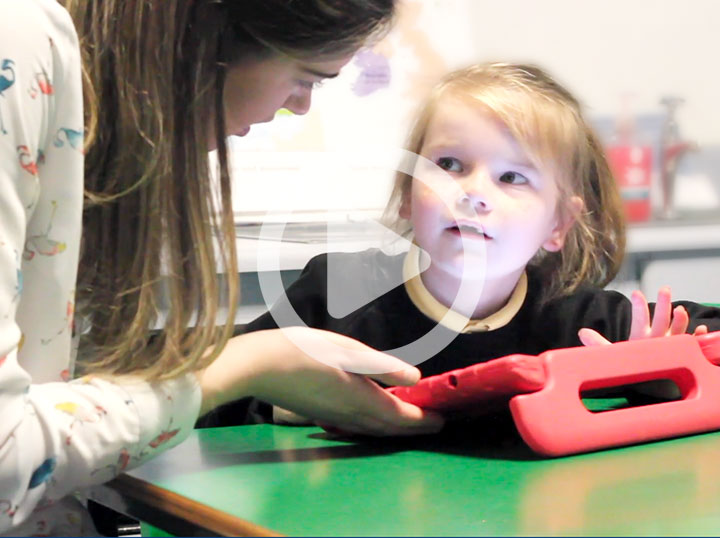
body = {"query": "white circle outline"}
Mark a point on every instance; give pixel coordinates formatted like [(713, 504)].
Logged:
[(416, 352)]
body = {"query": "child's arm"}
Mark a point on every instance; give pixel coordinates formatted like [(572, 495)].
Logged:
[(665, 321)]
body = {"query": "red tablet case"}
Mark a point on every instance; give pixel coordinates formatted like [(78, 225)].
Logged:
[(474, 388), (544, 392)]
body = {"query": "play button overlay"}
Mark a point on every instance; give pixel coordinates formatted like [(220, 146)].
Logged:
[(344, 297), (346, 294)]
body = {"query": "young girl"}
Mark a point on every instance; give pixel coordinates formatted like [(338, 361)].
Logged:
[(166, 81), (512, 202)]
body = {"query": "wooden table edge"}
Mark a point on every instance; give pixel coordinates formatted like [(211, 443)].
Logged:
[(173, 512)]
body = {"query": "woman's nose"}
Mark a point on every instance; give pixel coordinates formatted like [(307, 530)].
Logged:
[(299, 103)]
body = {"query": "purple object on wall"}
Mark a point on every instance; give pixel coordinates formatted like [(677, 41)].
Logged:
[(374, 72)]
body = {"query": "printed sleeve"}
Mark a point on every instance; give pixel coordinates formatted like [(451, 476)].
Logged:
[(56, 436)]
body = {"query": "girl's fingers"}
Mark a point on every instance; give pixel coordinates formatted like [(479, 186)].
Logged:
[(662, 313), (700, 329), (590, 337), (680, 321), (640, 325)]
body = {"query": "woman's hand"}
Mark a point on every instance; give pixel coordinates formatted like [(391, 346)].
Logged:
[(666, 321), (277, 366)]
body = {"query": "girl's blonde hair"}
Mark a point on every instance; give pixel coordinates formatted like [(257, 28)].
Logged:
[(155, 218), (547, 121)]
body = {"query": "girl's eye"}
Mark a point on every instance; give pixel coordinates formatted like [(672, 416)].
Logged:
[(451, 164), (513, 178)]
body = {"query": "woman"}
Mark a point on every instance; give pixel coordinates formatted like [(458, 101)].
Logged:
[(164, 82)]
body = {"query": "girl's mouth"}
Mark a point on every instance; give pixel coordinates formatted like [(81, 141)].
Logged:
[(470, 231)]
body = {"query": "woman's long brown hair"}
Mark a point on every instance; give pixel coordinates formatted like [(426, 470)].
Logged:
[(158, 224)]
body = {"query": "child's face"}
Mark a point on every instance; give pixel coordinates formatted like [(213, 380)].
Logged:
[(505, 209)]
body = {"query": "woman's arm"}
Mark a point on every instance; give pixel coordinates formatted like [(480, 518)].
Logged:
[(56, 436), (321, 375)]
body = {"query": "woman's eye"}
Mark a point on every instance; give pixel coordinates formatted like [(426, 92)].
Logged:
[(309, 84), (451, 164), (513, 178)]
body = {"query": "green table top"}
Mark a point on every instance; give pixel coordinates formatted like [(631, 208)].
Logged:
[(296, 481)]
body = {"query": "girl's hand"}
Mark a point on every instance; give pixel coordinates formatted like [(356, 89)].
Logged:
[(666, 321), (271, 366)]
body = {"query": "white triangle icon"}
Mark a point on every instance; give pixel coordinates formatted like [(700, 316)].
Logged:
[(345, 294)]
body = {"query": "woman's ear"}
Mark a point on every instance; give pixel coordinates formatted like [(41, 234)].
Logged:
[(565, 222)]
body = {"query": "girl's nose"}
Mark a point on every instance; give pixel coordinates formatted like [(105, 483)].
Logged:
[(477, 191), (299, 103)]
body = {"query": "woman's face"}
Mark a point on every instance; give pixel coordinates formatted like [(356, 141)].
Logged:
[(255, 89)]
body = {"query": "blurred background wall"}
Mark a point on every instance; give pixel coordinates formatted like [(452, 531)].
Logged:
[(610, 54), (638, 50)]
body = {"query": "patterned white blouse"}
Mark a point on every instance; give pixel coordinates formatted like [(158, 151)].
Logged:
[(56, 435)]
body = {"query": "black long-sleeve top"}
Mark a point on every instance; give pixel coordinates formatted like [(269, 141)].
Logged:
[(392, 320)]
